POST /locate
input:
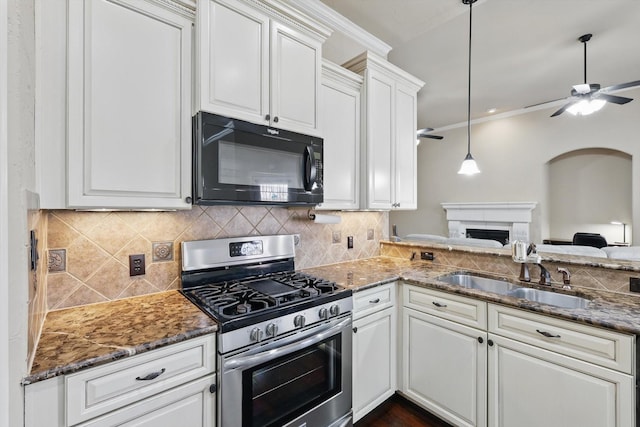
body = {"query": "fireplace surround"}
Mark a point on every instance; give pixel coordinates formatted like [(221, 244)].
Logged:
[(512, 217)]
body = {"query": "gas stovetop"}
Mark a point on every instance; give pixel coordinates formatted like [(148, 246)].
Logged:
[(249, 285), (239, 303)]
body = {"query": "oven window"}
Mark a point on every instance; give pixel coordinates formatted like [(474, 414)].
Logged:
[(283, 389)]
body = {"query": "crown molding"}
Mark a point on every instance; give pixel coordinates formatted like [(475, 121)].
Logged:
[(323, 13)]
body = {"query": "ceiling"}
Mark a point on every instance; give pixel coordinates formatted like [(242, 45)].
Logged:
[(523, 52)]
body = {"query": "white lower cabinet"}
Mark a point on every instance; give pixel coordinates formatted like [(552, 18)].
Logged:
[(171, 386), (444, 362), (479, 364), (374, 348), (531, 387)]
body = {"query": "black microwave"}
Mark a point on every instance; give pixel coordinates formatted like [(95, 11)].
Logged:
[(237, 162)]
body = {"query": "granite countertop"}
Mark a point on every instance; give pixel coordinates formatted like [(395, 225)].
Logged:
[(81, 337), (607, 309)]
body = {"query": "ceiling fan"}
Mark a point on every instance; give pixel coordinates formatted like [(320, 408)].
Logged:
[(424, 133), (588, 98)]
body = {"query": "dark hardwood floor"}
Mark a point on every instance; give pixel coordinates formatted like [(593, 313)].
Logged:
[(399, 412)]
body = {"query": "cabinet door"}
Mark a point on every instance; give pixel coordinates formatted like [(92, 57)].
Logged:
[(404, 155), (295, 80), (445, 367), (379, 129), (233, 52), (191, 405), (129, 97), (341, 134), (531, 387), (374, 361)]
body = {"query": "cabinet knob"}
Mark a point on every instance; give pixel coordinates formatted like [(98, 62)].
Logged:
[(213, 388), (188, 199), (480, 340), (490, 343), (267, 117), (355, 329), (275, 119)]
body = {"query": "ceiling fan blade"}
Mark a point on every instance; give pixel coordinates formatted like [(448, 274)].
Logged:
[(622, 86), (544, 102), (614, 99), (432, 136), (561, 110), (424, 133)]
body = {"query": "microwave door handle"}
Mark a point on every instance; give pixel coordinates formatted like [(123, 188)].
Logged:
[(310, 170)]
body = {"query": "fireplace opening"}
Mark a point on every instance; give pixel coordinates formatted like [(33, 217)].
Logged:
[(501, 236)]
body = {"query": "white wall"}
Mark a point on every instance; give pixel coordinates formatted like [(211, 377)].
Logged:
[(512, 154), (20, 177), (4, 227)]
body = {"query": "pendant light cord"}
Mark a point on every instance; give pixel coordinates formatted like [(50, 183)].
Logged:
[(469, 83)]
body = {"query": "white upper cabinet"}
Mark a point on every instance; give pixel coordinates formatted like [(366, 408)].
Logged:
[(259, 63), (389, 121), (127, 98), (341, 132)]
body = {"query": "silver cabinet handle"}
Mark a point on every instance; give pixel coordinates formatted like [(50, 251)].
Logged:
[(547, 334), (151, 376)]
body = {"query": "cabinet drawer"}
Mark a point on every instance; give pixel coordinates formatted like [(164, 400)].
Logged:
[(374, 299), (105, 388), (459, 309), (602, 347)]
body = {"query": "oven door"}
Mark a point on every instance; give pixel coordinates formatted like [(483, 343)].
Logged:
[(301, 380), (254, 164)]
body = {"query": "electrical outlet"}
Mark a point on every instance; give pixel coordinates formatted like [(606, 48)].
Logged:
[(634, 284), (336, 237), (349, 242), (429, 256), (136, 265), (370, 234)]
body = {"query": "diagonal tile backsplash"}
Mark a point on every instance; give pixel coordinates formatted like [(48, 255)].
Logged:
[(96, 245)]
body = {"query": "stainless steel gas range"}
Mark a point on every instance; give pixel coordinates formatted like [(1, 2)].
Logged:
[(284, 341)]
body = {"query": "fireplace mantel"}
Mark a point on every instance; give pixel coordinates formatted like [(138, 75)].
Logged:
[(514, 217)]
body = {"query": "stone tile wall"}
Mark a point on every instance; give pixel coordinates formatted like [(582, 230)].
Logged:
[(89, 251), (478, 260)]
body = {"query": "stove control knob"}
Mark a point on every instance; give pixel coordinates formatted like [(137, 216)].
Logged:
[(299, 321), (334, 310), (255, 335), (323, 313), (271, 330)]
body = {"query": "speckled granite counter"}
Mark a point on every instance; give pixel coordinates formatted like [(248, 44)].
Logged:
[(90, 335), (86, 336), (607, 309)]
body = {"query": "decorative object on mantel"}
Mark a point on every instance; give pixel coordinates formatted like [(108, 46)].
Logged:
[(469, 166), (324, 218)]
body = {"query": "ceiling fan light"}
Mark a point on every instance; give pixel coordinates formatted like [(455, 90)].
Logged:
[(469, 166), (586, 107)]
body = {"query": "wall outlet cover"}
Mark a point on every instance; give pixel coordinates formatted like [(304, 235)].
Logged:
[(370, 234), (429, 256), (634, 284), (349, 242), (336, 237), (136, 265)]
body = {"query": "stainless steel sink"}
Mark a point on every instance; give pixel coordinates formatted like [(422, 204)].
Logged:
[(471, 281), (551, 298), (501, 287)]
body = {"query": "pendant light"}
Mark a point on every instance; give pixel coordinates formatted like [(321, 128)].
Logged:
[(469, 166)]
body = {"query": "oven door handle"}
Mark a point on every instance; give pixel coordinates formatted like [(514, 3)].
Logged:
[(264, 356)]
